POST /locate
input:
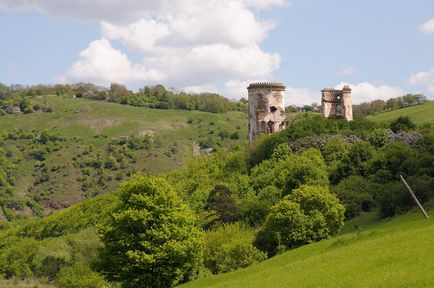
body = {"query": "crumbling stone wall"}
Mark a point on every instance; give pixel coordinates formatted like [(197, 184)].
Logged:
[(337, 103), (266, 108)]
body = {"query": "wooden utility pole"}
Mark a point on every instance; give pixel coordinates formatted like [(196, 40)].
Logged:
[(414, 197)]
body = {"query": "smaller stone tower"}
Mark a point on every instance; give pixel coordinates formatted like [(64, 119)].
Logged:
[(337, 103), (266, 108)]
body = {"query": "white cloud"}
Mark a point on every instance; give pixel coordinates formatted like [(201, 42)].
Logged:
[(348, 70), (102, 64), (141, 35), (428, 27), (210, 88), (265, 3), (366, 92), (301, 96), (425, 78), (237, 89), (126, 11), (188, 43)]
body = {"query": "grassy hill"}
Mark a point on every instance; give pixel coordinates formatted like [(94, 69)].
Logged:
[(420, 114), (93, 133), (386, 253)]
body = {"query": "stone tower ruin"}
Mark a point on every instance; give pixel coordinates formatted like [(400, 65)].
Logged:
[(337, 103), (266, 108)]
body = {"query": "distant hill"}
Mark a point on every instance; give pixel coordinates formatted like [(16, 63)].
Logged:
[(96, 144), (389, 253), (420, 114)]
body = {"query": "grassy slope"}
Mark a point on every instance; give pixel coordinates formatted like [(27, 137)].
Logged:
[(389, 253), (419, 114), (80, 120)]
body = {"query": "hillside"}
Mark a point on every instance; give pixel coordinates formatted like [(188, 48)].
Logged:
[(420, 114), (96, 144), (388, 253)]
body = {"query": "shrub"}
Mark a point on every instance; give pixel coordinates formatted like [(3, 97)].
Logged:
[(393, 199), (379, 137), (310, 213), (229, 247), (356, 193), (79, 275), (402, 124)]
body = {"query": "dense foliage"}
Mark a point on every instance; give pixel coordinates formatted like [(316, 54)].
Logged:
[(151, 239), (309, 213)]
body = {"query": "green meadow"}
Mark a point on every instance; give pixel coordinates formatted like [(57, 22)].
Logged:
[(368, 252), (419, 114)]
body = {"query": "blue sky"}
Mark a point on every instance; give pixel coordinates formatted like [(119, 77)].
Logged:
[(381, 48)]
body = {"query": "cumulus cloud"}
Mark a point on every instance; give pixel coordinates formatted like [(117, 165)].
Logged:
[(366, 92), (427, 27), (425, 78), (102, 64), (186, 43), (301, 96)]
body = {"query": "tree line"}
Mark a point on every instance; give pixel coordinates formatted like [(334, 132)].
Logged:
[(154, 97), (379, 106)]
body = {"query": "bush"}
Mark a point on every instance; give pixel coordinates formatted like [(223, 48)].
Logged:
[(309, 214), (379, 137), (356, 193), (79, 275), (393, 199), (229, 247), (402, 124)]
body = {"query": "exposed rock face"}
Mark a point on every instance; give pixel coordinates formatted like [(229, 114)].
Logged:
[(337, 103), (266, 108)]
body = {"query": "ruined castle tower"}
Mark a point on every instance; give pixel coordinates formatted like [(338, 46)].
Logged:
[(266, 108), (337, 103)]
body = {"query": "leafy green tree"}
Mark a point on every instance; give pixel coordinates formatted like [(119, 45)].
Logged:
[(151, 239), (309, 214), (358, 156), (306, 168)]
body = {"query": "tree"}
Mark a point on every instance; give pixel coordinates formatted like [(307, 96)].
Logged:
[(309, 214), (223, 204), (151, 239)]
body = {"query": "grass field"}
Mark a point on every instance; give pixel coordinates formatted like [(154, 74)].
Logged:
[(394, 252), (420, 114)]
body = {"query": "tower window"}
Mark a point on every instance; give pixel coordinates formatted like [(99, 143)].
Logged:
[(273, 109)]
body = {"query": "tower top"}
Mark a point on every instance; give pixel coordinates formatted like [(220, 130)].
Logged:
[(267, 85)]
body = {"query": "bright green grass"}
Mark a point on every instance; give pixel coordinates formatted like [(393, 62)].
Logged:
[(420, 114), (396, 252)]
